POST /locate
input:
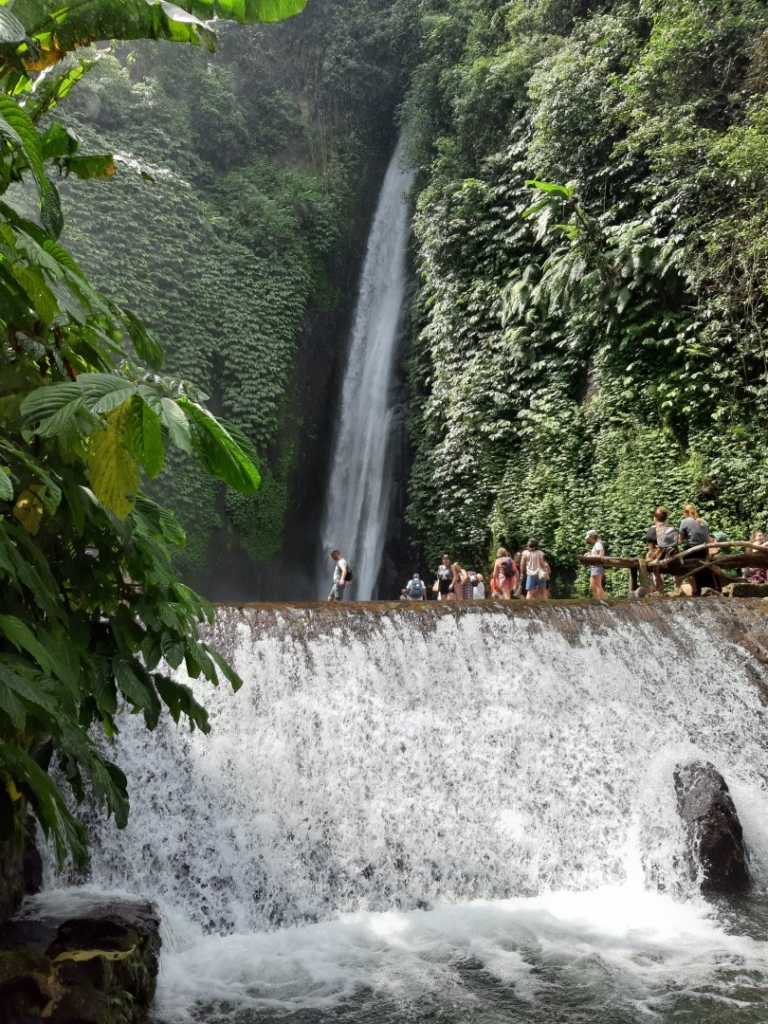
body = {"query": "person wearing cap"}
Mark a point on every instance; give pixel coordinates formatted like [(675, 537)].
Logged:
[(416, 590), (596, 572)]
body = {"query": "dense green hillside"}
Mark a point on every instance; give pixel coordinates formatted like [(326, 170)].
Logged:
[(586, 353), (245, 183)]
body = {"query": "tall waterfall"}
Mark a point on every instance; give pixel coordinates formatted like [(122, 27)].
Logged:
[(419, 785), (357, 499)]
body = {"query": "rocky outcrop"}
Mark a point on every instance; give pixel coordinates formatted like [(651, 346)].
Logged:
[(716, 852), (96, 968)]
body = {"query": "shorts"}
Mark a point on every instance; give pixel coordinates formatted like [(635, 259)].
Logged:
[(534, 583), (596, 570), (337, 592)]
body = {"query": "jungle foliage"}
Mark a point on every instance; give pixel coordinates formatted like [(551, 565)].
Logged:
[(253, 166), (91, 609), (592, 250)]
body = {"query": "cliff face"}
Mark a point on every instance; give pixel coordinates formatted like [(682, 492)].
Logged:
[(243, 249), (594, 176)]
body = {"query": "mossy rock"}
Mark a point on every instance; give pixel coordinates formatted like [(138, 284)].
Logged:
[(99, 968)]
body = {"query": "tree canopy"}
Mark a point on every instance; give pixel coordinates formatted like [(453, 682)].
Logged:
[(91, 609)]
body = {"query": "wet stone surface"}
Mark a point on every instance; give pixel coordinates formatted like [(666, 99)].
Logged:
[(96, 968)]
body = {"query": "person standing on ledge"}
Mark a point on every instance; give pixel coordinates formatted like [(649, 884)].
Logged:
[(340, 577), (596, 572)]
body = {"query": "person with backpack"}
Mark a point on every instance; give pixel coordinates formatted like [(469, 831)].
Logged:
[(663, 542), (444, 579), (505, 574), (596, 572), (342, 576), (416, 591), (535, 570)]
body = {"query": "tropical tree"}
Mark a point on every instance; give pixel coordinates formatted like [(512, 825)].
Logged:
[(91, 610)]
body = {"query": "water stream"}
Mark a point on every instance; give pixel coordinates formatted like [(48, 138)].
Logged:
[(454, 814), (357, 499)]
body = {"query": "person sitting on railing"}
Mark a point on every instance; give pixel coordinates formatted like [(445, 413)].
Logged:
[(694, 531), (756, 575), (663, 542)]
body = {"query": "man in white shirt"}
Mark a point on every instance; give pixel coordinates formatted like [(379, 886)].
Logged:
[(340, 574), (596, 572)]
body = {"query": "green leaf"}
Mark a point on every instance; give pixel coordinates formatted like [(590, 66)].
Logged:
[(58, 141), (228, 672), (112, 470), (175, 422), (87, 167), (173, 649), (69, 836), (144, 437), (218, 451), (146, 346), (136, 686), (14, 117), (22, 637), (181, 701), (6, 487), (566, 191)]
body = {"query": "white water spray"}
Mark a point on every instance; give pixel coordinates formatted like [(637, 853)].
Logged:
[(402, 791), (357, 499)]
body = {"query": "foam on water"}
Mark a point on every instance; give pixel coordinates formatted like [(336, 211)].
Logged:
[(621, 946), (422, 789)]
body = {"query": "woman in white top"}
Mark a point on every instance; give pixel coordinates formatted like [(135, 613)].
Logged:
[(533, 565)]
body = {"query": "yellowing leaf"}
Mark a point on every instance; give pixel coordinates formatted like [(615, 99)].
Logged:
[(78, 955), (113, 472), (29, 511)]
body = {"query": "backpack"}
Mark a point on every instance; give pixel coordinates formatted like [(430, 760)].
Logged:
[(415, 588), (667, 536), (349, 577), (472, 578), (507, 568)]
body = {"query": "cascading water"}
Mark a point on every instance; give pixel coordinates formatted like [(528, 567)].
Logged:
[(462, 813), (357, 499)]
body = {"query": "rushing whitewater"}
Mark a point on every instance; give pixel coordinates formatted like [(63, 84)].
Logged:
[(460, 811), (357, 499)]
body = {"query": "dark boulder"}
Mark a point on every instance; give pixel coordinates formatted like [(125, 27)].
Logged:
[(98, 967), (716, 852)]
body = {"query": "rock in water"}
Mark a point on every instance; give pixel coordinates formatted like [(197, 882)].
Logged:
[(98, 967), (716, 843)]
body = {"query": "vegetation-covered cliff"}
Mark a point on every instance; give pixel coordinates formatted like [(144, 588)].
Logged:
[(584, 354), (238, 238)]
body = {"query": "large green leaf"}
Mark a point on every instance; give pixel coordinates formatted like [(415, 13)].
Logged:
[(57, 28), (219, 452), (113, 471), (17, 119), (68, 835)]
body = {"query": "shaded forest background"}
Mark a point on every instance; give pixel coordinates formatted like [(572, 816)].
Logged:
[(578, 355)]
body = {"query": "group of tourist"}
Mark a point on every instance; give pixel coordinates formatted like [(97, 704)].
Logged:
[(526, 574), (692, 542), (522, 574)]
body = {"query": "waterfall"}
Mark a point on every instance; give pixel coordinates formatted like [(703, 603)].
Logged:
[(357, 499), (419, 788)]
